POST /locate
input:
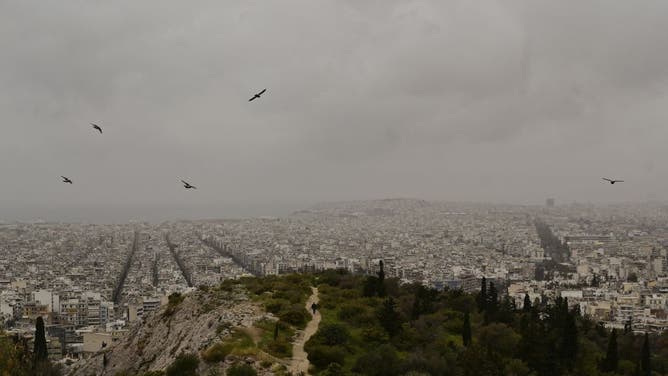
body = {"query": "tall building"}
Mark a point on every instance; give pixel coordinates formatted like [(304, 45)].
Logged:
[(549, 202)]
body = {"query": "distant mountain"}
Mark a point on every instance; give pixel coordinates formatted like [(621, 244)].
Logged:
[(381, 207)]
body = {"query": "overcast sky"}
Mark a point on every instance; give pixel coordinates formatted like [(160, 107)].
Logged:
[(501, 101)]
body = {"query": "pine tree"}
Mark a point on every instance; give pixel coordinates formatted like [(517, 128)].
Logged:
[(482, 298), (527, 303), (40, 341), (466, 331), (611, 360), (645, 365)]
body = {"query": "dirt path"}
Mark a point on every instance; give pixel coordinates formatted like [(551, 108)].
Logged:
[(299, 363)]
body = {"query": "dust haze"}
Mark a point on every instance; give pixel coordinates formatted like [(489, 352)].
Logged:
[(496, 101)]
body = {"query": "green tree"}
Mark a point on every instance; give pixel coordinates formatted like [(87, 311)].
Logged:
[(389, 318), (381, 280), (370, 287), (526, 307), (645, 363), (466, 331), (611, 360), (332, 334), (482, 297), (40, 352), (569, 343), (276, 331), (492, 305)]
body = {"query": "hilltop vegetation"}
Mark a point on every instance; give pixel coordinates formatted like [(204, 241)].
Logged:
[(373, 326), (370, 326)]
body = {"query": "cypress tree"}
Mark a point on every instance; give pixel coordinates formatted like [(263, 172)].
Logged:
[(389, 318), (645, 365), (381, 280), (466, 331), (611, 360), (628, 326), (492, 298), (527, 304), (569, 344), (276, 331), (415, 312), (482, 298), (40, 341)]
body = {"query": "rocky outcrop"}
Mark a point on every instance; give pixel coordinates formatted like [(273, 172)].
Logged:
[(186, 326)]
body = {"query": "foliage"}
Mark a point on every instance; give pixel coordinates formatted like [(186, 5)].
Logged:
[(216, 353), (419, 331), (466, 331), (40, 351), (241, 369), (16, 359), (184, 365), (174, 300)]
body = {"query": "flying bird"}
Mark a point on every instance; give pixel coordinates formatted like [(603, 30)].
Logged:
[(613, 181), (187, 185), (97, 127), (256, 96), (66, 179)]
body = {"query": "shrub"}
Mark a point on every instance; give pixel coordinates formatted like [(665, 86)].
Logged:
[(174, 300), (322, 356), (332, 334), (241, 369), (381, 361), (296, 315), (216, 353), (184, 365), (276, 306)]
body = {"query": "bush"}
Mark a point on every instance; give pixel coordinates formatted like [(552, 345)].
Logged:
[(184, 365), (216, 353), (382, 361), (334, 369), (332, 334), (296, 316), (174, 300), (241, 369), (322, 356), (356, 313), (276, 306)]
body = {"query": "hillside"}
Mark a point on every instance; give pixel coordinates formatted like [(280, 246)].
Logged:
[(369, 325), (232, 324)]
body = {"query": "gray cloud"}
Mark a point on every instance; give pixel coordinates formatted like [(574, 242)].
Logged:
[(495, 100)]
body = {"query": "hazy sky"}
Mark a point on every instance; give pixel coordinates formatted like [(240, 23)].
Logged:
[(508, 101)]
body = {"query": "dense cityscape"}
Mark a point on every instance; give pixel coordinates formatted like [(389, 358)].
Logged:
[(90, 283)]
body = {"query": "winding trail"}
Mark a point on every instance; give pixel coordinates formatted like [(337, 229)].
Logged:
[(299, 363)]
